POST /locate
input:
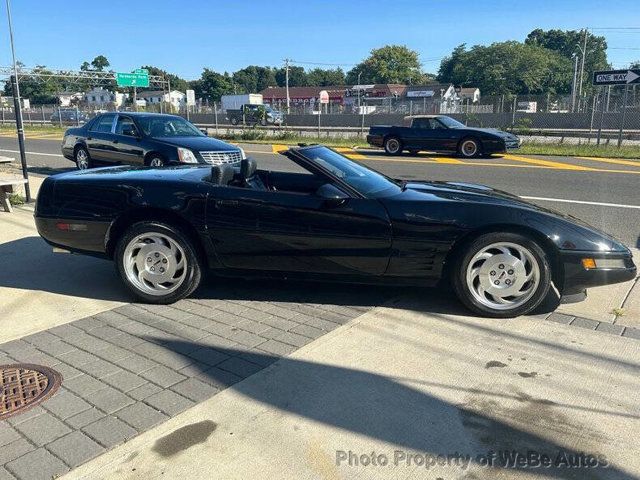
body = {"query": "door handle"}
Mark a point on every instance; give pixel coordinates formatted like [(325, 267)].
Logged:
[(227, 203)]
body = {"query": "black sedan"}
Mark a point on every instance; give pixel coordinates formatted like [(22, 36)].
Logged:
[(339, 221), (144, 139), (439, 133)]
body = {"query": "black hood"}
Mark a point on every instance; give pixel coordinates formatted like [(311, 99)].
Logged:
[(201, 144), (473, 194), (495, 131)]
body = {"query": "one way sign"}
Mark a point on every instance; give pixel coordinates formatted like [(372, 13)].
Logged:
[(616, 77)]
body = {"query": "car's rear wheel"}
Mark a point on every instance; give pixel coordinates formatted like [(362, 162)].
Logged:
[(157, 262), (393, 146), (469, 148), (234, 121), (82, 158), (502, 275)]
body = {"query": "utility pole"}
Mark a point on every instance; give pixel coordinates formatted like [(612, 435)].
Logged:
[(575, 79), (286, 80), (584, 56), (18, 109)]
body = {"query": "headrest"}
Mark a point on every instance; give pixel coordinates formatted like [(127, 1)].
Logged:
[(221, 174), (248, 168)]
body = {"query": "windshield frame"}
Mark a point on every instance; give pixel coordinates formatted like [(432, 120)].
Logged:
[(139, 121), (309, 163)]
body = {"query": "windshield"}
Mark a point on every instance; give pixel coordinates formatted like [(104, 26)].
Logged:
[(451, 123), (165, 126), (363, 179)]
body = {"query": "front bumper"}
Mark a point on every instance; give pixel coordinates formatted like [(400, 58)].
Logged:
[(577, 278)]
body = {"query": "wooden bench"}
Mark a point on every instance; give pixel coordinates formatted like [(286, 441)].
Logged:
[(7, 186)]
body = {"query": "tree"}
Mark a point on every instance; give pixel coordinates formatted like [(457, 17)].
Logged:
[(212, 85), (297, 77), (570, 42), (177, 83), (39, 90), (389, 64), (98, 64), (319, 77), (254, 79), (508, 67)]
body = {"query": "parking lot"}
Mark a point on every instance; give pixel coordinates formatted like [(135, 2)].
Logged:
[(288, 380)]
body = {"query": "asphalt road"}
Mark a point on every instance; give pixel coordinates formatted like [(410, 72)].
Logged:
[(603, 192)]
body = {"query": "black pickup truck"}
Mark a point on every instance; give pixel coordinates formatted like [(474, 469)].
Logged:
[(439, 133)]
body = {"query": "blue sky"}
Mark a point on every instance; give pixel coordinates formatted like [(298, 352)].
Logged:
[(183, 37)]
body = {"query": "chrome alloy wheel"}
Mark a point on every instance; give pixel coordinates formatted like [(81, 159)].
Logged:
[(393, 145), (82, 159), (155, 263), (503, 275), (156, 162), (469, 148)]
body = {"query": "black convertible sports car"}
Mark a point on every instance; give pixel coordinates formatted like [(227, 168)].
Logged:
[(336, 220), (439, 133)]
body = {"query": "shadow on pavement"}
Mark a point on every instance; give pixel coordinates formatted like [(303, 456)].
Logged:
[(386, 410), (30, 264)]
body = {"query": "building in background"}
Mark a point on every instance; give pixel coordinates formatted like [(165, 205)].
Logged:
[(67, 99), (177, 98), (100, 97)]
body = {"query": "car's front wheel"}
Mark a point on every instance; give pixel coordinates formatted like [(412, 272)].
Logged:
[(82, 158), (502, 275), (157, 262), (469, 148)]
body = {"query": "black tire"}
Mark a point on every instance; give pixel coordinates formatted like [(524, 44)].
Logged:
[(263, 122), (460, 265), (234, 121), (470, 147), (393, 146), (82, 157), (193, 267), (155, 161)]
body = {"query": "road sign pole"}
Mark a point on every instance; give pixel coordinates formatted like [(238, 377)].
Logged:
[(624, 114), (20, 129), (602, 105)]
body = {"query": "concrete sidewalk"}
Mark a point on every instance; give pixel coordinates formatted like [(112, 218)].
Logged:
[(407, 385)]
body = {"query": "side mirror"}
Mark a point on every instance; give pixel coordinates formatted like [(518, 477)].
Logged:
[(333, 196)]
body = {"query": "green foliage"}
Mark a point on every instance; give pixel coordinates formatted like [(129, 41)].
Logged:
[(570, 42), (508, 67), (212, 85), (254, 79), (38, 90), (177, 83), (389, 64), (319, 77), (16, 199), (297, 77)]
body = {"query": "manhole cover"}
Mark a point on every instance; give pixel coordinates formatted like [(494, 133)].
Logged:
[(23, 386)]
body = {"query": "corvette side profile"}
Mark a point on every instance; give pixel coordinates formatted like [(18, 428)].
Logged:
[(335, 219)]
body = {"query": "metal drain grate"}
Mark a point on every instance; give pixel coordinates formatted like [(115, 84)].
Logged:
[(23, 386)]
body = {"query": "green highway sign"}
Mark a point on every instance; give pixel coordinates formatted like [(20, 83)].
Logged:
[(132, 79), (141, 71)]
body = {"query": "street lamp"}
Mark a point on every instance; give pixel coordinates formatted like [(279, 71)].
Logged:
[(18, 108)]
